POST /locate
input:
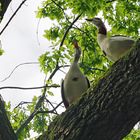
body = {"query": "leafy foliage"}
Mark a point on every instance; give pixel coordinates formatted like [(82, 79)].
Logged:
[(134, 135), (1, 51), (116, 13), (123, 18), (19, 115)]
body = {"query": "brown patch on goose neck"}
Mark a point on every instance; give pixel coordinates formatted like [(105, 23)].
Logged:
[(102, 30)]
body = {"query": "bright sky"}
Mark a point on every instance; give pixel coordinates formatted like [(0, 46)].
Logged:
[(20, 44)]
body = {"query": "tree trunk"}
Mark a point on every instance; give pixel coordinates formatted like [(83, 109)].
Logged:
[(4, 6), (6, 131), (108, 111)]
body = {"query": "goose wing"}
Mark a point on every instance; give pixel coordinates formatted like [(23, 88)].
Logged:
[(66, 104), (120, 44)]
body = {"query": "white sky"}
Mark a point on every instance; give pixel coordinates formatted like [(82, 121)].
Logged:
[(20, 44)]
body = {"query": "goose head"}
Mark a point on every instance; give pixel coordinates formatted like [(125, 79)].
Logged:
[(99, 24), (96, 21), (77, 51)]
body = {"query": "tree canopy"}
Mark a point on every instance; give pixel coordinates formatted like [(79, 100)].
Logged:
[(68, 17)]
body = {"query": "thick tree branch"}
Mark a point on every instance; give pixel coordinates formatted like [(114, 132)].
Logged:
[(6, 131), (4, 6), (108, 111)]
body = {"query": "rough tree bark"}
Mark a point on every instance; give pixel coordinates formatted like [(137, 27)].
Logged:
[(108, 111), (6, 131)]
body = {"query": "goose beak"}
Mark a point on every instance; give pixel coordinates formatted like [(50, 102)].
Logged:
[(89, 20)]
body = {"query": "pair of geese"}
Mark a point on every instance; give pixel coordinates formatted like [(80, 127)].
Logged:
[(75, 82)]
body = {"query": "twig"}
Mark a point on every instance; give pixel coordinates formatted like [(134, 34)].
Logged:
[(12, 16), (94, 69), (56, 69), (58, 5), (61, 44), (62, 71), (21, 103), (51, 105), (27, 63), (37, 28), (51, 111), (32, 116), (37, 32), (55, 103), (110, 1), (63, 67), (28, 88), (38, 105), (25, 123)]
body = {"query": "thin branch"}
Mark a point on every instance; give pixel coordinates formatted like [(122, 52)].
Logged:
[(22, 103), (29, 88), (37, 28), (54, 71), (63, 67), (51, 105), (61, 44), (63, 10), (51, 111), (32, 116), (55, 103), (94, 69), (57, 5), (25, 123), (12, 16), (109, 1), (62, 71), (27, 63), (41, 99), (38, 41), (38, 105)]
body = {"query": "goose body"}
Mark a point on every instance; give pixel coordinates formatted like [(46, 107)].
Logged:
[(114, 47), (74, 83)]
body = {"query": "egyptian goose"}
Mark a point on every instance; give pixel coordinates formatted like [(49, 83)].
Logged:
[(114, 47), (75, 83)]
